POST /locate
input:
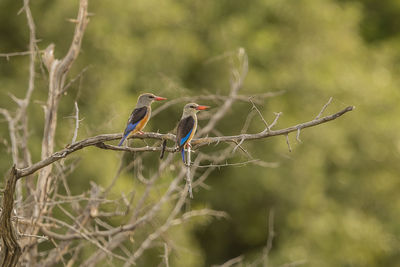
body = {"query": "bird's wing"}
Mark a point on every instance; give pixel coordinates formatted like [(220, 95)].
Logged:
[(137, 115), (185, 128)]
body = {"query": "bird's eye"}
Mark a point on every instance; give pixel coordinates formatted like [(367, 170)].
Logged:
[(151, 96), (192, 106)]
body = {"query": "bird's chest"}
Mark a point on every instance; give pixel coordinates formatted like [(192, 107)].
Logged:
[(193, 131)]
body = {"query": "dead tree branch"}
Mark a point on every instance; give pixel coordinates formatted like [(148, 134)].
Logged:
[(204, 141), (199, 142), (58, 70), (11, 250)]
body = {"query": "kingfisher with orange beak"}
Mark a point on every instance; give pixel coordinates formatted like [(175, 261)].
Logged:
[(187, 126), (140, 115)]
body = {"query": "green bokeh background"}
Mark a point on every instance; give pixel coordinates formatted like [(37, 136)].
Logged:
[(335, 196)]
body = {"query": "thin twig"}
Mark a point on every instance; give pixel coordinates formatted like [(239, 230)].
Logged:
[(64, 90), (237, 164), (76, 123), (231, 262), (34, 236), (271, 235), (166, 254), (13, 54), (259, 113), (298, 135), (147, 242), (277, 115), (238, 145), (247, 122), (323, 108), (288, 142)]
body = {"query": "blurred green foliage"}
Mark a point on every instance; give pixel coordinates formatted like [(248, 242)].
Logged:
[(335, 196)]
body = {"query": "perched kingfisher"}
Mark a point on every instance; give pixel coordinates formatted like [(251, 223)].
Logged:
[(187, 126), (140, 115)]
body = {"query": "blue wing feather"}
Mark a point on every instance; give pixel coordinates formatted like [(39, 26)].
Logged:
[(183, 140), (137, 116), (185, 129), (129, 128)]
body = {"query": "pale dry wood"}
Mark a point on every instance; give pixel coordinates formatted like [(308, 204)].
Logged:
[(58, 70)]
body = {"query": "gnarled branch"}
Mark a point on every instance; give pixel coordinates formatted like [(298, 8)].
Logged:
[(11, 249), (99, 140)]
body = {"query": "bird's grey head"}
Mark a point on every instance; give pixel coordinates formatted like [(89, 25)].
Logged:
[(192, 109), (146, 99)]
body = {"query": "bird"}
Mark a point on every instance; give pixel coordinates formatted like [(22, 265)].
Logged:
[(187, 126), (140, 115)]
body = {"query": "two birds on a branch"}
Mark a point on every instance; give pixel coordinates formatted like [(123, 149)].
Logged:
[(142, 112)]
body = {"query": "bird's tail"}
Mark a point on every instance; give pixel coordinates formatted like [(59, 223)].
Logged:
[(183, 154), (122, 140)]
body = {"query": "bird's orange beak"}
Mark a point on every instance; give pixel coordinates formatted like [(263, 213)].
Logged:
[(159, 98), (202, 107)]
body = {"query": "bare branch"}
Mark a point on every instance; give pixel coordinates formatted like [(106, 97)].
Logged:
[(298, 135), (288, 142), (32, 49), (76, 123), (12, 132), (96, 140), (231, 262), (11, 251), (34, 236), (120, 236), (166, 254), (82, 21), (238, 164), (238, 145), (112, 232), (271, 235), (13, 54), (64, 90), (247, 122), (58, 70), (259, 113), (147, 242), (323, 108), (209, 140), (199, 213), (277, 115)]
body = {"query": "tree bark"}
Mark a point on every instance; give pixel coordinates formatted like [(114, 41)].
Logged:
[(11, 251)]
